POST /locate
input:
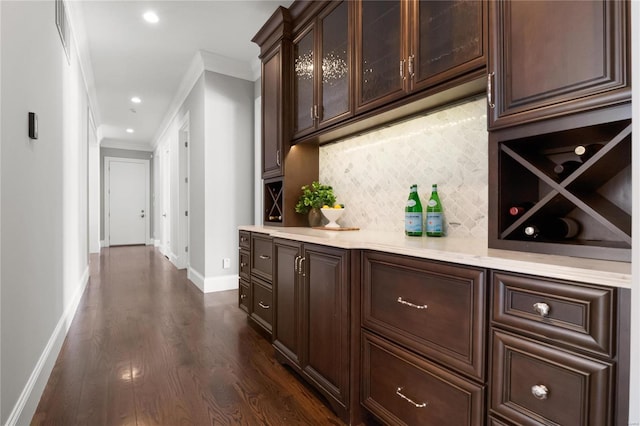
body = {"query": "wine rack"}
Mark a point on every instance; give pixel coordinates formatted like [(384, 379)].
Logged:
[(273, 201), (593, 191)]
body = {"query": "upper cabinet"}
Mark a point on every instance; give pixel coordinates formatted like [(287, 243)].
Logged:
[(551, 58), (274, 40), (408, 46), (322, 70)]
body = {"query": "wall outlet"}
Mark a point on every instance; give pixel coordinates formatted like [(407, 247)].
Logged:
[(226, 263)]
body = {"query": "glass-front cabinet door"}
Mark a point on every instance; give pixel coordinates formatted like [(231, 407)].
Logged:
[(381, 64), (448, 40), (335, 70), (303, 82)]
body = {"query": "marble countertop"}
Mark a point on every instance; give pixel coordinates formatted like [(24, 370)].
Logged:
[(472, 252)]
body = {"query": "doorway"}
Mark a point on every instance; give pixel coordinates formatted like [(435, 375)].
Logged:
[(126, 201)]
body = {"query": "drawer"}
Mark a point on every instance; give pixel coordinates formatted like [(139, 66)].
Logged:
[(244, 240), (435, 309), (572, 390), (244, 296), (402, 388), (244, 266), (261, 304), (261, 255), (566, 313)]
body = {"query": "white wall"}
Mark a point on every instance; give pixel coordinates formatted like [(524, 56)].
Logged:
[(44, 265), (95, 214), (229, 173)]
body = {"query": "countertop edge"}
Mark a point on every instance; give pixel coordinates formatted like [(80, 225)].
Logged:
[(470, 252)]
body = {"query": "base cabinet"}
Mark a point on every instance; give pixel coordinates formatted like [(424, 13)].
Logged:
[(311, 328)]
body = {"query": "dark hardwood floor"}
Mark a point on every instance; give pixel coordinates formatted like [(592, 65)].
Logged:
[(146, 347)]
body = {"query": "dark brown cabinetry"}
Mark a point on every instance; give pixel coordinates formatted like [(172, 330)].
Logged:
[(556, 352), (552, 93), (311, 329), (284, 169), (255, 278), (406, 46), (322, 70), (437, 311), (539, 68)]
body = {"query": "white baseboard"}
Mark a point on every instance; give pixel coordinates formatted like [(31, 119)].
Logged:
[(103, 244), (156, 243), (212, 284), (30, 396)]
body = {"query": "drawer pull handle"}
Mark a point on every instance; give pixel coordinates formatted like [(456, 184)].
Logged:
[(263, 306), (264, 257), (415, 404), (404, 302), (540, 391), (541, 308)]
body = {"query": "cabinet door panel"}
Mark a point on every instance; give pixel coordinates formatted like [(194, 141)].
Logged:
[(379, 52), (286, 332), (437, 396), (448, 40), (326, 322), (271, 107), (576, 389), (303, 82), (543, 69), (335, 69)]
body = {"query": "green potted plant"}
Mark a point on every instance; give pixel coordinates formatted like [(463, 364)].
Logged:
[(313, 197)]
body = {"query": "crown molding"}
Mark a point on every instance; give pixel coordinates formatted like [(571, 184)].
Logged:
[(130, 145)]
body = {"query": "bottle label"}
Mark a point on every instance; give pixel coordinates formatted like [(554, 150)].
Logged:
[(413, 222), (432, 203), (434, 222), (411, 203)]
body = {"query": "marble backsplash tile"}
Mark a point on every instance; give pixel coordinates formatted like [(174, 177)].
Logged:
[(371, 173)]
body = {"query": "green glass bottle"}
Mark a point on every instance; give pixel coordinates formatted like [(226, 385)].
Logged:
[(413, 214), (434, 214)]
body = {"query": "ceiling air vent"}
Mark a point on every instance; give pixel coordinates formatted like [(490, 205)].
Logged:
[(63, 25)]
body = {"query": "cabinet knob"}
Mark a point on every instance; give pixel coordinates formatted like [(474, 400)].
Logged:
[(263, 306), (541, 308), (539, 391), (243, 296), (415, 404), (242, 264)]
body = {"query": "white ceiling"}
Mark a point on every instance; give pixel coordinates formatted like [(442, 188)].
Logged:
[(124, 56)]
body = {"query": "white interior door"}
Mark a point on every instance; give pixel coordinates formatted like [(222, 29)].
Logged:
[(128, 195)]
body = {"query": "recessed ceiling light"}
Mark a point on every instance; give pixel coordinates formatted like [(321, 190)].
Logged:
[(130, 130), (151, 17), (136, 100)]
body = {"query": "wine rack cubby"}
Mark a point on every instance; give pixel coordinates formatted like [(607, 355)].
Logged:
[(273, 201), (592, 191)]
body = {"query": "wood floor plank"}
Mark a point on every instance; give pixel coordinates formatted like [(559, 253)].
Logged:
[(146, 347)]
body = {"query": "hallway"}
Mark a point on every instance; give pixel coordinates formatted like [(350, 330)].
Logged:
[(146, 347)]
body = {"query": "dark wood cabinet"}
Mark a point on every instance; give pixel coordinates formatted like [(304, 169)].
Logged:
[(423, 346), (284, 170), (408, 46), (311, 329), (322, 70), (557, 355), (255, 278), (540, 68)]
